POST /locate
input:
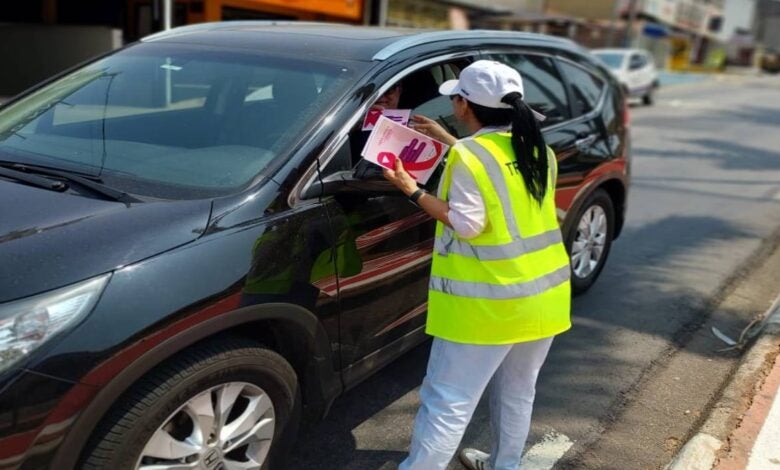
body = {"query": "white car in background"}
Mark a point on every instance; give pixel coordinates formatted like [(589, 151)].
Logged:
[(634, 68)]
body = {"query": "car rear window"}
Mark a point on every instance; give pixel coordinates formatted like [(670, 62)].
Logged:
[(173, 121), (586, 88)]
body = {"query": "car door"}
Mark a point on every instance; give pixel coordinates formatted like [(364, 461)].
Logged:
[(638, 73), (386, 241)]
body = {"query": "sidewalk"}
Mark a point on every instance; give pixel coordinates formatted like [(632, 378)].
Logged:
[(667, 78), (742, 431), (755, 445), (670, 77)]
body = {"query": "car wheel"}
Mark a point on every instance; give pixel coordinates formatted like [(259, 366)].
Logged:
[(222, 405), (649, 98), (590, 239)]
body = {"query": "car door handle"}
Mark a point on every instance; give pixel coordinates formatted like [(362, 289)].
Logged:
[(585, 142)]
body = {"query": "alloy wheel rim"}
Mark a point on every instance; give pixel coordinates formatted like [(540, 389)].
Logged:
[(588, 246), (227, 427)]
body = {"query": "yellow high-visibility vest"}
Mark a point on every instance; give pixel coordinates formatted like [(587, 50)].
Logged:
[(510, 283)]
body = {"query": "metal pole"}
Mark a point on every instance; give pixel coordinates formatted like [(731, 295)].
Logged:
[(630, 24), (383, 13), (613, 24), (167, 14)]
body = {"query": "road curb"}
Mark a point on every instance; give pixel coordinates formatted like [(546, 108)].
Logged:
[(702, 451)]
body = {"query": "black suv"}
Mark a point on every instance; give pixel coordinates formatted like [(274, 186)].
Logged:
[(193, 260)]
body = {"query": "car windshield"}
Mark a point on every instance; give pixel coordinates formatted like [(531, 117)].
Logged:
[(172, 121), (614, 60)]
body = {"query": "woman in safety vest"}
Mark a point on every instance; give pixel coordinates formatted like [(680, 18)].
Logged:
[(499, 289)]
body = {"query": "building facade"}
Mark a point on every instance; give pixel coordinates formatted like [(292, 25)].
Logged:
[(44, 37), (692, 32), (437, 14)]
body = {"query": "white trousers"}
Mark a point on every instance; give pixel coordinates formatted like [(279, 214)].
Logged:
[(457, 376)]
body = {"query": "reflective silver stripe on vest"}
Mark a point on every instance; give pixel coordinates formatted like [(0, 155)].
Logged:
[(447, 243), (442, 244), (484, 290)]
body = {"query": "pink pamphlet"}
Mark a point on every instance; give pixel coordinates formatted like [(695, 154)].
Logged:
[(419, 153), (400, 116)]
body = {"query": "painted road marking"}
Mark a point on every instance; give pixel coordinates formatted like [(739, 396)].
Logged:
[(545, 453)]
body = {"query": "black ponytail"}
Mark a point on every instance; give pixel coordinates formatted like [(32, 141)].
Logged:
[(527, 140), (528, 144)]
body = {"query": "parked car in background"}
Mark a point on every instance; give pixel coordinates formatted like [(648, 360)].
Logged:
[(192, 264), (635, 69)]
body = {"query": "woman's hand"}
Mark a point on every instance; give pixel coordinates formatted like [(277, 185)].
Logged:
[(432, 205), (400, 178), (431, 128)]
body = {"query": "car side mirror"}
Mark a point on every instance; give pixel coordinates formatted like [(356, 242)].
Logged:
[(345, 182)]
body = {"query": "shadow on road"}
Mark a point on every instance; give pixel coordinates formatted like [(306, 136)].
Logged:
[(331, 443)]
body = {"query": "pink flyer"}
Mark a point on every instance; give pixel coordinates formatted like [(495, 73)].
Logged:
[(400, 116), (390, 140)]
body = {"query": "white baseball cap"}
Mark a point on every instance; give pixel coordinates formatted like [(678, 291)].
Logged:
[(486, 82)]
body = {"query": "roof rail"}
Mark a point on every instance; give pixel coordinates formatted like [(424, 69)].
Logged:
[(435, 36), (224, 24)]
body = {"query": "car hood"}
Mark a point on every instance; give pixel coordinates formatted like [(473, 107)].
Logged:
[(50, 239)]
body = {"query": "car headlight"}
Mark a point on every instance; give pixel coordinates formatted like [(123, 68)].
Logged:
[(28, 323)]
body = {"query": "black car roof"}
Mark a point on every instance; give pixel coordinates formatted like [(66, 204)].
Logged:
[(332, 40)]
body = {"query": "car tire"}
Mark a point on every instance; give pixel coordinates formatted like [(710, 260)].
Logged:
[(589, 240), (649, 98), (224, 386)]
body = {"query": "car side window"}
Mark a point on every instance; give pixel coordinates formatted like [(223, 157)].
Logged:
[(586, 88), (429, 102), (420, 94), (544, 89), (637, 61)]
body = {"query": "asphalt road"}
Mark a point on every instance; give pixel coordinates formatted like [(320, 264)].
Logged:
[(705, 195)]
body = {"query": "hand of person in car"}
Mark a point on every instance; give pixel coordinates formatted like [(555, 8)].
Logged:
[(400, 178), (431, 128)]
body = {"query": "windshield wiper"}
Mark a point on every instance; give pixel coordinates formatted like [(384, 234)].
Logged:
[(32, 179), (89, 183)]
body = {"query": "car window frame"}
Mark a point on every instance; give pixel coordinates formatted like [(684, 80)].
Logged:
[(325, 157), (332, 147)]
